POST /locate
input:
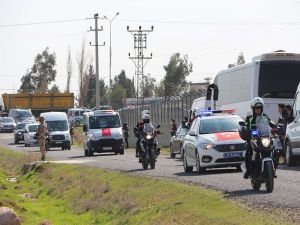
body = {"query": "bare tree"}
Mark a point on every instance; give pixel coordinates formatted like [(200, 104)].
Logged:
[(83, 62), (69, 70)]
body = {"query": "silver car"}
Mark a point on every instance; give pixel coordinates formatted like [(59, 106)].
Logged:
[(30, 135), (176, 142), (7, 124)]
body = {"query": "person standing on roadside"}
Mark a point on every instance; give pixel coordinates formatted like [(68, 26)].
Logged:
[(41, 137), (72, 132), (173, 127)]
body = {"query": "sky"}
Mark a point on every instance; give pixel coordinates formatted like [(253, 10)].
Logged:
[(212, 34)]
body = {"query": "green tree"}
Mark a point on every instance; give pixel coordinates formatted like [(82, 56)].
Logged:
[(127, 84), (176, 72), (117, 95), (27, 85), (149, 86), (54, 89), (241, 60), (42, 71)]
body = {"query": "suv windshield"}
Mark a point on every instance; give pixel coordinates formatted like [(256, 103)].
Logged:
[(216, 125), (33, 128), (20, 126), (60, 125), (109, 121), (7, 120)]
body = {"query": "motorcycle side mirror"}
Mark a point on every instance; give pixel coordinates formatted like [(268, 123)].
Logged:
[(244, 133), (158, 126), (84, 128)]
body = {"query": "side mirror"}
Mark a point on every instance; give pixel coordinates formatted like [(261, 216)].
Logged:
[(158, 126), (84, 127), (192, 133), (244, 133)]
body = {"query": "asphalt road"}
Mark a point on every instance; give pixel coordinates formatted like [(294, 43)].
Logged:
[(285, 196)]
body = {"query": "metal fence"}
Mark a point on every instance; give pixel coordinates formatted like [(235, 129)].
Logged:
[(162, 109)]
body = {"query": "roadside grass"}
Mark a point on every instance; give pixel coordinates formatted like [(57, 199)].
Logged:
[(81, 195)]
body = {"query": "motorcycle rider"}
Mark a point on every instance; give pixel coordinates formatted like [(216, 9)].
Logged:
[(257, 106), (139, 129)]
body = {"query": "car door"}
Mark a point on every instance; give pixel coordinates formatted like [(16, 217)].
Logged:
[(294, 127), (191, 142)]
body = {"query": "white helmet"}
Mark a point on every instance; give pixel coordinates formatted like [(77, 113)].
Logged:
[(257, 101), (146, 118), (145, 112)]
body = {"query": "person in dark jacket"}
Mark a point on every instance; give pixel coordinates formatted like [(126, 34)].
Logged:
[(257, 105), (173, 127), (126, 133)]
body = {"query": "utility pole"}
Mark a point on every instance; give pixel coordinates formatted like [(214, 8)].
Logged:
[(96, 17), (140, 44), (110, 55)]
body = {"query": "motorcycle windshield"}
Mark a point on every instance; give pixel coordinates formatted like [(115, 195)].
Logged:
[(262, 126), (148, 128)]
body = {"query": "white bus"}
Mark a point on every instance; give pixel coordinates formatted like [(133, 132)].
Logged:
[(271, 76)]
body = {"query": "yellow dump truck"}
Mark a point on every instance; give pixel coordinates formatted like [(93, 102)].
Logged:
[(39, 102)]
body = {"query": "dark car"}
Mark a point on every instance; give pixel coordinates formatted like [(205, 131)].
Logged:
[(19, 132), (176, 141)]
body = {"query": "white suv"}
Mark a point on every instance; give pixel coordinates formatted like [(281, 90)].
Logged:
[(292, 138), (102, 132)]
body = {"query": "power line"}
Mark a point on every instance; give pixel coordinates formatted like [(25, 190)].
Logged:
[(43, 22)]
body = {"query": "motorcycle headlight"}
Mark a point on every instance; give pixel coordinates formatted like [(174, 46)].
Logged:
[(266, 142), (208, 146), (149, 136)]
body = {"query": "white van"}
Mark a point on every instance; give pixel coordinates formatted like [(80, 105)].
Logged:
[(58, 128), (102, 132), (292, 138)]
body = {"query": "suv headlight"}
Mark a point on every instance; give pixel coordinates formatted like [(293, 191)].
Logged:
[(67, 136), (208, 146), (266, 141), (92, 137)]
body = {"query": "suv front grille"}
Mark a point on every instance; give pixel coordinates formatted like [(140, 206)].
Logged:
[(58, 137), (231, 147)]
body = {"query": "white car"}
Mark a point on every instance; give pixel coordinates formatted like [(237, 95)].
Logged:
[(213, 141), (29, 135)]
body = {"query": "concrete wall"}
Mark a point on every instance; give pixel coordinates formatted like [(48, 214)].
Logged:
[(163, 139)]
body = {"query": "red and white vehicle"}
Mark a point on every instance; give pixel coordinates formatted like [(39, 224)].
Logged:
[(213, 141), (102, 132)]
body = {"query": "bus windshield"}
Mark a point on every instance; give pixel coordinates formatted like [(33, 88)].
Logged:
[(278, 79)]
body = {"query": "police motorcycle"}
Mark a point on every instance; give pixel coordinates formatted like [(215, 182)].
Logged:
[(149, 150), (263, 169)]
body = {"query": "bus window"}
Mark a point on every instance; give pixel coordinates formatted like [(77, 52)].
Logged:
[(278, 79)]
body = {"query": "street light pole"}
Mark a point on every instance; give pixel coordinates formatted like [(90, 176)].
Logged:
[(110, 55)]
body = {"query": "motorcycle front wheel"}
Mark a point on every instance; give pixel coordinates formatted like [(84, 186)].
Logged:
[(269, 176), (145, 165)]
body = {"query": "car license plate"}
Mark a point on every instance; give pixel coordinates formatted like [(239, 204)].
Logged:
[(233, 154), (107, 148), (58, 142)]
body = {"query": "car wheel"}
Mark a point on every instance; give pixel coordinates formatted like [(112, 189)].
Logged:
[(16, 142), (86, 152), (25, 144), (200, 169), (122, 152), (90, 152), (181, 151), (172, 155), (187, 169), (289, 160)]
